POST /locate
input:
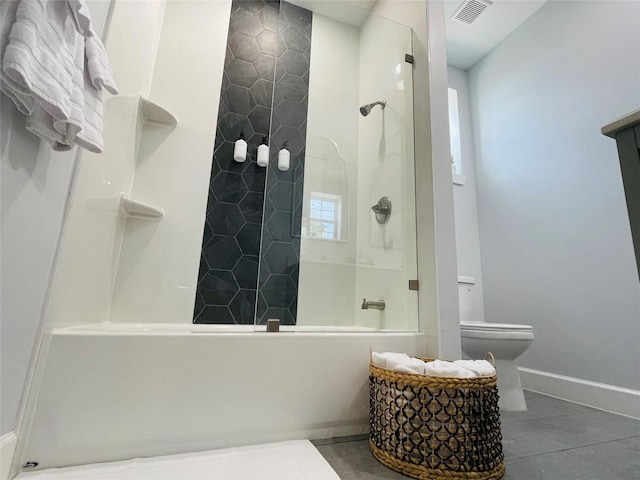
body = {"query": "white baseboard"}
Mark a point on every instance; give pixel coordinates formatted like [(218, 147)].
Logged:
[(623, 401), (7, 448)]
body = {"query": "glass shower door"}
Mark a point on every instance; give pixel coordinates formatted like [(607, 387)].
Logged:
[(343, 109)]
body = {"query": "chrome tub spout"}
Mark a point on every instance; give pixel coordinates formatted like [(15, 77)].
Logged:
[(366, 305)]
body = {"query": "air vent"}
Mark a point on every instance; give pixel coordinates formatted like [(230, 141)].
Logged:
[(470, 10)]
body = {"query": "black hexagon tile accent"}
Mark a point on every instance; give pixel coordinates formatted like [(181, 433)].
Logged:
[(222, 253), (251, 206), (218, 287), (249, 239), (230, 187), (268, 42), (265, 65), (243, 307), (248, 21), (244, 47), (246, 272), (233, 235), (282, 258), (226, 219), (238, 99), (212, 314), (279, 291), (242, 72)]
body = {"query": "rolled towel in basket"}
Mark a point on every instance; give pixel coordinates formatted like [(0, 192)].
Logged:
[(481, 368), (441, 368), (412, 365), (388, 359)]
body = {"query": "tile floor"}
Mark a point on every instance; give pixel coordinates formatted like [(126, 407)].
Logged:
[(554, 440)]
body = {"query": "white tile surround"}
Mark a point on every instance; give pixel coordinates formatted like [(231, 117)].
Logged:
[(293, 460)]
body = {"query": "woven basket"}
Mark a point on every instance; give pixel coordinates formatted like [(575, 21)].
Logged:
[(435, 428)]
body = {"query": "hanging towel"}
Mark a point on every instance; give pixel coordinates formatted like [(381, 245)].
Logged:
[(39, 60), (81, 16), (54, 68), (98, 66), (20, 97)]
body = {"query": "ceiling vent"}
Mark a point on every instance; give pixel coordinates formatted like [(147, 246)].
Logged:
[(470, 10)]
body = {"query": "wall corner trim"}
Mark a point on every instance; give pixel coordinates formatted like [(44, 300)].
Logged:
[(8, 443), (623, 401)]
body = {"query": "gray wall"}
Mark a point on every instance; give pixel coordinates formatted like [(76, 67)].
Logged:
[(464, 197), (35, 183), (555, 237)]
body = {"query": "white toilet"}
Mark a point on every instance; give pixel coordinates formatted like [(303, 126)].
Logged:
[(505, 341)]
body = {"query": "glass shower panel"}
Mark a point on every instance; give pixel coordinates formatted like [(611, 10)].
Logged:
[(386, 246), (343, 108)]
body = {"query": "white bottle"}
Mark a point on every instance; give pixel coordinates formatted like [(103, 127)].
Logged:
[(284, 157), (263, 153), (240, 149)]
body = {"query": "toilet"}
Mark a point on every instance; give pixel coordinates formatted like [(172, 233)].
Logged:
[(504, 340)]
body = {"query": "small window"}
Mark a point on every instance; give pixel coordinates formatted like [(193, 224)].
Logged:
[(324, 216), (454, 132)]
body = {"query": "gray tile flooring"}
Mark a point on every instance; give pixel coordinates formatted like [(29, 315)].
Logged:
[(554, 440)]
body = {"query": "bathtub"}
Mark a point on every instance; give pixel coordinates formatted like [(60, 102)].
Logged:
[(114, 391)]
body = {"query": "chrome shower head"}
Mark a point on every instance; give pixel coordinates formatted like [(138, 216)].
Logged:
[(366, 109)]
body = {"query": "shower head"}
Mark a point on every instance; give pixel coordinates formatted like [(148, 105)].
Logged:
[(366, 109)]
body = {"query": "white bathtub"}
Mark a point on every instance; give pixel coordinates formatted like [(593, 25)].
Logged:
[(187, 329), (117, 391)]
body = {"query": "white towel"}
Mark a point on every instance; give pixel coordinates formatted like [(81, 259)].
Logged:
[(412, 365), (54, 68), (19, 96), (481, 368), (82, 17), (398, 362), (441, 368), (98, 66), (39, 60), (40, 123), (389, 359)]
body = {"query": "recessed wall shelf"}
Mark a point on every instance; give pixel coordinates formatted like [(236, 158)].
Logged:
[(135, 209), (153, 113)]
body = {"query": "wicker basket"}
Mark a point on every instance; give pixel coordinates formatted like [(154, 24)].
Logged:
[(435, 428)]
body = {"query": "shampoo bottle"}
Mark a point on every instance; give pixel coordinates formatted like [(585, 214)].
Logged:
[(284, 157), (240, 149), (263, 153)]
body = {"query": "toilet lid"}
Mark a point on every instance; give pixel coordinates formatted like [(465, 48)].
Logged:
[(495, 327)]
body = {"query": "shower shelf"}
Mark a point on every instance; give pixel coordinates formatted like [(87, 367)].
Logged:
[(152, 113), (130, 208)]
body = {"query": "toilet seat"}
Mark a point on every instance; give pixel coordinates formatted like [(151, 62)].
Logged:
[(495, 327), (496, 331)]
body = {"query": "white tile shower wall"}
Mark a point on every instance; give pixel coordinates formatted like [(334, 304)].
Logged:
[(326, 295), (134, 33), (386, 253), (85, 274), (158, 269), (86, 271), (332, 121)]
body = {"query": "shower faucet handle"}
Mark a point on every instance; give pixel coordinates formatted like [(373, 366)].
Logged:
[(382, 209)]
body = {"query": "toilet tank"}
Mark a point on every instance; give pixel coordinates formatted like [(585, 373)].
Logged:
[(465, 297)]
